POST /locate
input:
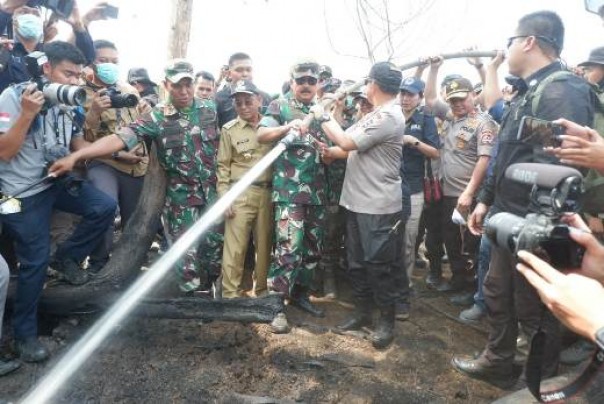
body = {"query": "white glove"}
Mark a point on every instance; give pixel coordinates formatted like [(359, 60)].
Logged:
[(317, 111)]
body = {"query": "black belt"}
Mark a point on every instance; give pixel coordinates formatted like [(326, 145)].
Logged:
[(259, 184)]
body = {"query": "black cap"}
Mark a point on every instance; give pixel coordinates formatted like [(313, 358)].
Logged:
[(412, 85), (596, 57), (139, 75), (325, 72), (387, 75), (244, 87)]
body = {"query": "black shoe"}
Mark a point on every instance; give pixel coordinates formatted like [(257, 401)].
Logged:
[(463, 299), (31, 350), (420, 263), (480, 368), (94, 267), (70, 271), (473, 315), (384, 331), (432, 281), (402, 311), (302, 301), (578, 352), (450, 286), (355, 322), (9, 366)]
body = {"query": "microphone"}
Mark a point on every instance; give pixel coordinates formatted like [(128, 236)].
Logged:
[(543, 175)]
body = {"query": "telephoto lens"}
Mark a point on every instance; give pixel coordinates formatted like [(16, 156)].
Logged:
[(64, 94)]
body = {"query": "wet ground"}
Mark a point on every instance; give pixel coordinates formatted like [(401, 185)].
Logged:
[(184, 361)]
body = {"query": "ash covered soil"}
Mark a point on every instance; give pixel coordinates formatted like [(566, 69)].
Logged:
[(186, 361)]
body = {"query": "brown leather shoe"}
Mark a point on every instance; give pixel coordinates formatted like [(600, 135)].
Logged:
[(480, 368)]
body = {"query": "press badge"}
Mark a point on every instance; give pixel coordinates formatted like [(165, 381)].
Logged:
[(9, 205)]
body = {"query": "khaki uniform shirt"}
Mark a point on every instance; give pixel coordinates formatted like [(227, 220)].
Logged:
[(111, 119), (239, 150)]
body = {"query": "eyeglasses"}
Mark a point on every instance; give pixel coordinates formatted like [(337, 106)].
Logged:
[(547, 39), (311, 81)]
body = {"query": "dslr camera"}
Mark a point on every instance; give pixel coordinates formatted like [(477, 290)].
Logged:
[(556, 190), (54, 93), (119, 99)]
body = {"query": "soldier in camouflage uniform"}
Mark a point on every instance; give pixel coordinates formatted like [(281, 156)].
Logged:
[(184, 130), (300, 190)]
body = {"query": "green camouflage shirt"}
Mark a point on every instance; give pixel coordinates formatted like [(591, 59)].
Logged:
[(298, 174), (187, 144)]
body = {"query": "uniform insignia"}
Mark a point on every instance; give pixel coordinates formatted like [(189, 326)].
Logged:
[(247, 156), (487, 137), (453, 85)]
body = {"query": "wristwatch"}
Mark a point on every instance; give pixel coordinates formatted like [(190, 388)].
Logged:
[(324, 118), (600, 339)]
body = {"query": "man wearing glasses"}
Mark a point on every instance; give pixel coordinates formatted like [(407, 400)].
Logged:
[(238, 152), (299, 189), (533, 56)]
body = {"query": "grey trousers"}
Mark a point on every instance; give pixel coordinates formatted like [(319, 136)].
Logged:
[(411, 230), (122, 188), (4, 278)]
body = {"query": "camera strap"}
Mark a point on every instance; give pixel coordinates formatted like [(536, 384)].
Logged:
[(533, 373)]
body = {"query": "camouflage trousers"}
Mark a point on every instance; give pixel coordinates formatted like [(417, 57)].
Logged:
[(202, 263), (299, 234)]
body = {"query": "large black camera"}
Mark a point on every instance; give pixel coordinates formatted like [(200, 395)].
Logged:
[(53, 93), (121, 100), (556, 190)]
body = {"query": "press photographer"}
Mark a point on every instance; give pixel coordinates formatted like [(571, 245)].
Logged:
[(111, 105), (549, 93), (35, 130)]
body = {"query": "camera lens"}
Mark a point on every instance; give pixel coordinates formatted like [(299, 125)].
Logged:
[(503, 229), (64, 94)]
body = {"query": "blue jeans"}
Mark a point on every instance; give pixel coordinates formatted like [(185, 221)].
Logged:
[(30, 230), (484, 258)]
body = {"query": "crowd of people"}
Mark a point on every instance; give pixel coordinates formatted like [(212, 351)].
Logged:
[(366, 180)]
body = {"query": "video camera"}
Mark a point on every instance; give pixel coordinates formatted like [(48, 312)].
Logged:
[(121, 100), (53, 93), (556, 190)]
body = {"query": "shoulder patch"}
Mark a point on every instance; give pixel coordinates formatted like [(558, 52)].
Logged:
[(230, 124)]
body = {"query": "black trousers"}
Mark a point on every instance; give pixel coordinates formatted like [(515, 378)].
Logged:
[(432, 222), (374, 245), (511, 299), (461, 244)]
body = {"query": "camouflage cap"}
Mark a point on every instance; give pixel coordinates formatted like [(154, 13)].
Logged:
[(179, 69), (305, 68), (244, 87), (458, 88), (325, 71)]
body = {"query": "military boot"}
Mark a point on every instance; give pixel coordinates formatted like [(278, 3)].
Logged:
[(361, 317), (384, 330)]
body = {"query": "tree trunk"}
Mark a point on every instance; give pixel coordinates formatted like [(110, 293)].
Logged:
[(180, 28)]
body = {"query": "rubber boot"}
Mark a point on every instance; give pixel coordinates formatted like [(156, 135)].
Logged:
[(384, 331), (360, 317)]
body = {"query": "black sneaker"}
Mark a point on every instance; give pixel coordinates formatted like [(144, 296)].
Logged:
[(31, 350), (8, 366), (70, 271)]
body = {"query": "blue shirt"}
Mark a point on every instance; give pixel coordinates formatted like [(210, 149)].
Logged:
[(422, 126)]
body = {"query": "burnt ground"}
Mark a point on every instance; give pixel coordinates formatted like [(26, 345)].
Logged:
[(182, 361)]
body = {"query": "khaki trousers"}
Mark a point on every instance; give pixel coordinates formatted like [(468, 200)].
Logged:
[(253, 213)]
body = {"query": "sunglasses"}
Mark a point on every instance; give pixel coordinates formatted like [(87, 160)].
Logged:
[(311, 81), (549, 40)]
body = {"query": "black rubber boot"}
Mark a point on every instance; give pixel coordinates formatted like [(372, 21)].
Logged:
[(384, 331), (360, 317), (301, 300)]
